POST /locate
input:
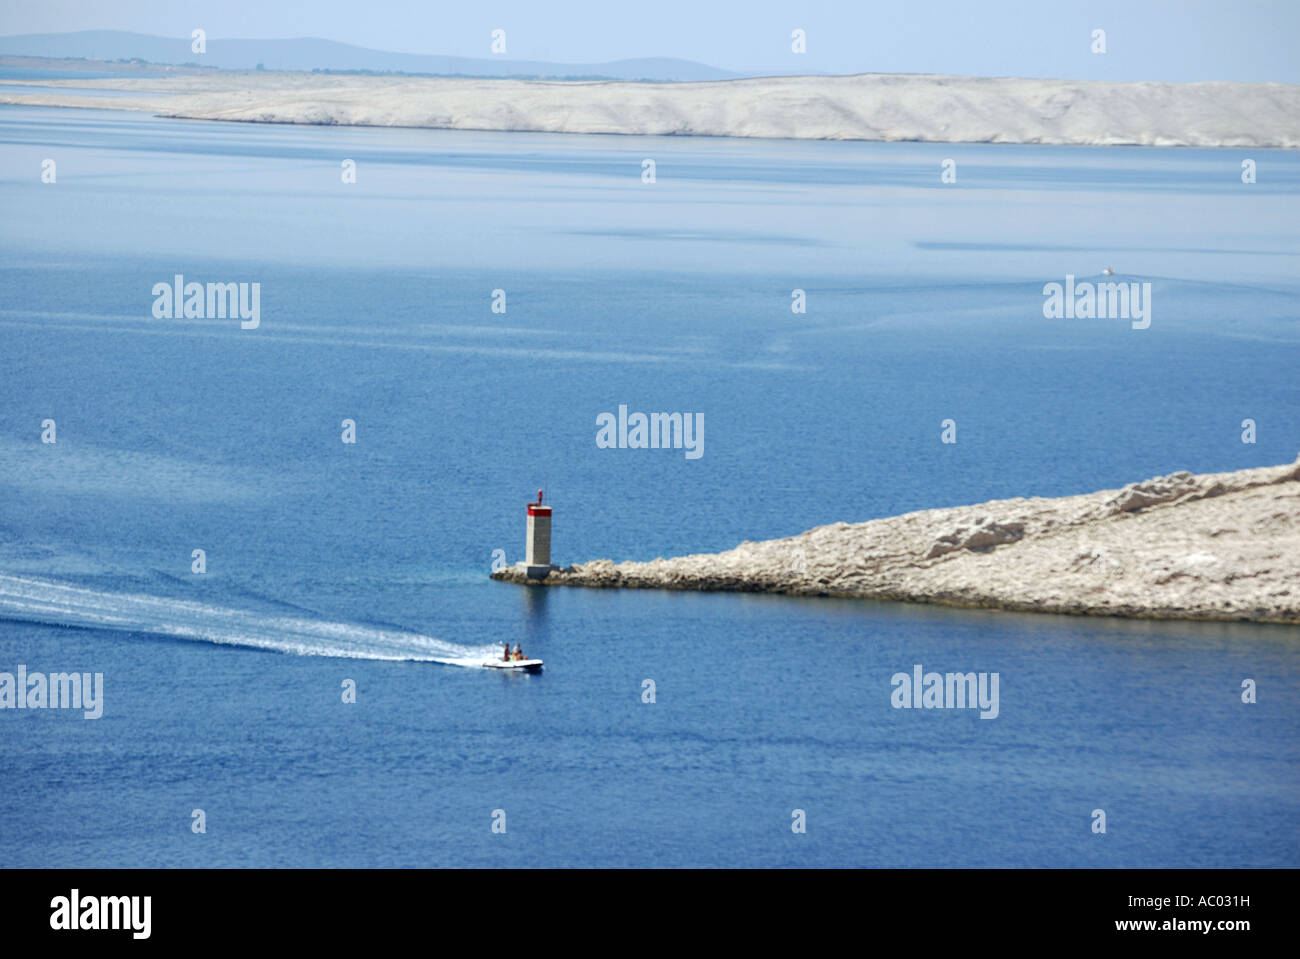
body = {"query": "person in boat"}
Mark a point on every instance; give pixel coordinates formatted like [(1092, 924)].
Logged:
[(519, 653), (505, 657)]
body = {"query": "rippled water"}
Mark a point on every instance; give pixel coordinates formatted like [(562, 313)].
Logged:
[(371, 560)]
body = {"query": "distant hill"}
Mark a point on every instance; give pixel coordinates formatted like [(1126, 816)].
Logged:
[(309, 53)]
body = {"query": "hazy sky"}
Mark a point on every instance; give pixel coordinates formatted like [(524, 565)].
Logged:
[(1146, 39)]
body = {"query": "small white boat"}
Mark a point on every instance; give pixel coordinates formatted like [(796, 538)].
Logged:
[(525, 664)]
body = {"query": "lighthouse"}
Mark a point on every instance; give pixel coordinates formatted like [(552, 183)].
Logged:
[(537, 548)]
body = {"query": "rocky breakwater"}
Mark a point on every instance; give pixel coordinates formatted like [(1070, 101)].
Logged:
[(1215, 546)]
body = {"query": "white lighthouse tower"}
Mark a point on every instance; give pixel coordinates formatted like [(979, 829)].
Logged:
[(537, 553)]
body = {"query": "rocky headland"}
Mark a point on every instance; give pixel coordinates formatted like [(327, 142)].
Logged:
[(1213, 546)]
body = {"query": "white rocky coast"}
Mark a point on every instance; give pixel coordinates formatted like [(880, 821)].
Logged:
[(1216, 546), (920, 107)]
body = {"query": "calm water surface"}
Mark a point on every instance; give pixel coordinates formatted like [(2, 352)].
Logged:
[(371, 560)]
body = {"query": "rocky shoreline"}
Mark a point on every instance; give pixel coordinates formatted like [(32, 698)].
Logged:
[(1214, 546), (882, 107)]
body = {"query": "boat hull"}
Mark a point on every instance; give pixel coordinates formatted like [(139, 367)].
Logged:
[(527, 665)]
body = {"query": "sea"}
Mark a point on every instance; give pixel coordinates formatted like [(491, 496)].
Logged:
[(288, 627)]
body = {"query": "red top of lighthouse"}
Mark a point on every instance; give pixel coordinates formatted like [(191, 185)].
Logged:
[(537, 509)]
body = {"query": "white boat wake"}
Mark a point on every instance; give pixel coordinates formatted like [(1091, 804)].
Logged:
[(61, 604)]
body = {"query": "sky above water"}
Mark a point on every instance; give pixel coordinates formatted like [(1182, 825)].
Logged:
[(1145, 40)]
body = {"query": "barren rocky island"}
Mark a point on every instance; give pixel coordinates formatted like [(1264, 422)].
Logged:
[(922, 107), (1213, 546)]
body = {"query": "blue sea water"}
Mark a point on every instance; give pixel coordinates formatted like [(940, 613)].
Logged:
[(369, 562), (29, 74)]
